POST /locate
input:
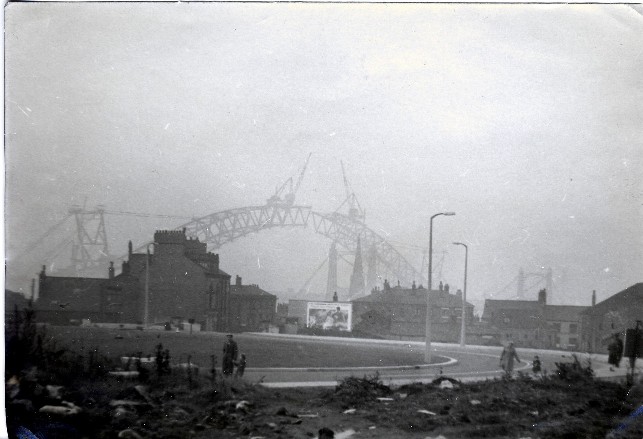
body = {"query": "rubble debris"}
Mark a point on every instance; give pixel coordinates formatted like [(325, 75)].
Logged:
[(130, 374), (67, 409), (349, 411), (446, 385), (129, 434), (54, 392), (426, 412)]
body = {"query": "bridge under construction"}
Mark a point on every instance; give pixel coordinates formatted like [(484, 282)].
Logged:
[(345, 228)]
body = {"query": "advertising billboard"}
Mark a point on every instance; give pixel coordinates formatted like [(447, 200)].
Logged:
[(329, 315)]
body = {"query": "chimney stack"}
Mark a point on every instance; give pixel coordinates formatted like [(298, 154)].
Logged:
[(542, 296), (238, 281), (111, 270), (594, 298)]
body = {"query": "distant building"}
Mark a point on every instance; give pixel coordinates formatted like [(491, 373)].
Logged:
[(13, 302), (69, 300), (185, 282), (400, 313), (533, 323), (251, 308), (613, 315)]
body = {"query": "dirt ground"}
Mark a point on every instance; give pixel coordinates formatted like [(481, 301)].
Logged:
[(358, 407)]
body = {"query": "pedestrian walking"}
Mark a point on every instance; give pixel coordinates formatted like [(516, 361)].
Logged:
[(241, 366), (615, 351), (507, 358), (230, 352)]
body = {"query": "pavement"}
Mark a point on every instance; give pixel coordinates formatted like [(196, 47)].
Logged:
[(602, 369)]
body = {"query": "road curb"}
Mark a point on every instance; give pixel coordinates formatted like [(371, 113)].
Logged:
[(450, 362)]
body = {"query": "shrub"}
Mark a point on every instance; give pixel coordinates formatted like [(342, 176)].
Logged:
[(353, 390), (575, 371)]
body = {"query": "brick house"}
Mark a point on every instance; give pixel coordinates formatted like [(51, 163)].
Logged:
[(69, 300), (533, 323), (613, 315), (400, 313), (185, 282), (251, 308)]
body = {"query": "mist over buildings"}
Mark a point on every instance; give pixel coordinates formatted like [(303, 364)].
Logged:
[(525, 120)]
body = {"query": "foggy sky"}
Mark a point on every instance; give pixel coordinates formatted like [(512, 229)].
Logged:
[(523, 119)]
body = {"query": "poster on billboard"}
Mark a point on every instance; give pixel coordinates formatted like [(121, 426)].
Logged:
[(330, 315)]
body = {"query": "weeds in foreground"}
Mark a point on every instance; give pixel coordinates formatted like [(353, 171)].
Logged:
[(575, 371), (353, 390)]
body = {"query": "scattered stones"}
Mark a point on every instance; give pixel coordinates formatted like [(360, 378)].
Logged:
[(67, 409), (308, 415), (13, 387), (475, 402), (54, 392), (349, 411), (129, 434), (143, 392), (125, 403), (243, 406), (128, 374), (426, 412), (446, 385), (385, 399)]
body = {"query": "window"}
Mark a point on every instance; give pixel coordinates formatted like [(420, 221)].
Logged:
[(573, 328), (573, 341)]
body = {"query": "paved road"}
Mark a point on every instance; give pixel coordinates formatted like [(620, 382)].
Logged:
[(469, 363)]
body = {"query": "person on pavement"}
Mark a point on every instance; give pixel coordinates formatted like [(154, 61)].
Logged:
[(230, 352), (507, 358)]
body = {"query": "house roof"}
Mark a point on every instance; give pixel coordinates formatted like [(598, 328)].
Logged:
[(629, 296), (410, 296), (508, 306), (70, 294), (564, 313), (250, 290)]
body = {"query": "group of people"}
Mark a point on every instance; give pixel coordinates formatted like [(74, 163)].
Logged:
[(230, 360)]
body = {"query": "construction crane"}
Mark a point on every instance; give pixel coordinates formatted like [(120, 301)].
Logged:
[(355, 211), (288, 189)]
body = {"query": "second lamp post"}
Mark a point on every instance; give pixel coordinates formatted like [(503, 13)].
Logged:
[(464, 294), (427, 347)]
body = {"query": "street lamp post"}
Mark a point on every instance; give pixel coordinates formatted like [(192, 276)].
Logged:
[(147, 287), (464, 294), (427, 348)]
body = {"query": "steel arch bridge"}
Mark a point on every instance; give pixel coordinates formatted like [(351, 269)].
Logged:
[(226, 226)]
